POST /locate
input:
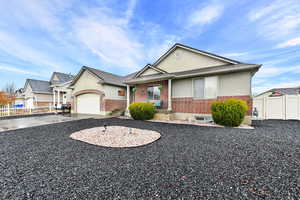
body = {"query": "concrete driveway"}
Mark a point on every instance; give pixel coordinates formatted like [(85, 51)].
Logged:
[(13, 124)]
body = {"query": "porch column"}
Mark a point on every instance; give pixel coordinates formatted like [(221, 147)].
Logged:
[(169, 94), (53, 98), (58, 98), (128, 97)]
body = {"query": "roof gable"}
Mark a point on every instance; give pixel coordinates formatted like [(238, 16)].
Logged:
[(149, 70), (60, 78), (104, 77), (211, 55)]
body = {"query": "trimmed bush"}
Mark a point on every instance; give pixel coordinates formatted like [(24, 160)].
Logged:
[(142, 111), (230, 112)]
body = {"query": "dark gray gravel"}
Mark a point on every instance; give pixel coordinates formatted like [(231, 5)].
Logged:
[(188, 162)]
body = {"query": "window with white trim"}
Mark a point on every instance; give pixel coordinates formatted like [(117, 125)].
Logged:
[(205, 88), (153, 93)]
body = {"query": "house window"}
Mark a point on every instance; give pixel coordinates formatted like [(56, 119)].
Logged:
[(153, 93), (205, 88), (121, 93), (199, 88)]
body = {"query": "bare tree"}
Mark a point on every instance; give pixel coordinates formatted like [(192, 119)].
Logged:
[(10, 88)]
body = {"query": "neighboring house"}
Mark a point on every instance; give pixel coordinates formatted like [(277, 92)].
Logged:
[(60, 83), (97, 92), (40, 93), (37, 93), (20, 98), (278, 103), (186, 81)]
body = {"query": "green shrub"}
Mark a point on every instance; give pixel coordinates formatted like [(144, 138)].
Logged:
[(142, 111), (230, 112)]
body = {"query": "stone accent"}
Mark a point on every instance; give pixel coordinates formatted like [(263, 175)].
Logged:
[(113, 104), (142, 96), (202, 106)]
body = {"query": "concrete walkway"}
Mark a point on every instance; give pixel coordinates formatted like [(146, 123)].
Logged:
[(13, 124)]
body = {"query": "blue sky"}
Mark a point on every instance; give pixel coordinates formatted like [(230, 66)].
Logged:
[(39, 37)]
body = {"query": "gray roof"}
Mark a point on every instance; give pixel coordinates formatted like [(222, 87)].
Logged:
[(39, 86), (197, 72), (288, 91), (62, 78), (105, 77)]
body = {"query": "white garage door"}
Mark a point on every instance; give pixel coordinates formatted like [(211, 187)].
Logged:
[(88, 103)]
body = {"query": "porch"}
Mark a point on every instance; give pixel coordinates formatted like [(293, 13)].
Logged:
[(157, 92), (59, 97)]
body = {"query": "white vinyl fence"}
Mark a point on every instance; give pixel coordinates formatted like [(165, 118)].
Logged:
[(280, 107), (10, 111)]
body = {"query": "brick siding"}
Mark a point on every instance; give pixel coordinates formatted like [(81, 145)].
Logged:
[(202, 106), (142, 96), (113, 104)]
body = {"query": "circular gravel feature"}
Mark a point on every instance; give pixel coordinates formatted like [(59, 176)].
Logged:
[(116, 136)]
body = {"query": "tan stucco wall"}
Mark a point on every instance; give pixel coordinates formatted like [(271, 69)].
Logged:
[(44, 97), (28, 92), (149, 71), (111, 92), (234, 84), (89, 81), (183, 60)]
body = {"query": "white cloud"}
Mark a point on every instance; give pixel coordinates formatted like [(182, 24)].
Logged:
[(275, 71), (16, 48), (130, 10), (234, 54), (205, 15), (277, 19), (111, 42), (289, 43), (17, 70)]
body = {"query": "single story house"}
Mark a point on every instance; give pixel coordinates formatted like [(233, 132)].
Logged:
[(278, 103), (40, 93), (37, 93), (184, 81), (97, 92)]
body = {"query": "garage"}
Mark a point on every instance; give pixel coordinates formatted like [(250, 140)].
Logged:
[(88, 103)]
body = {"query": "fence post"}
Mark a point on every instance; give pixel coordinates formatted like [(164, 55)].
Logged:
[(8, 110)]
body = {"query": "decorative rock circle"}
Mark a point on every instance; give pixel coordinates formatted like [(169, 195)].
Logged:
[(116, 136)]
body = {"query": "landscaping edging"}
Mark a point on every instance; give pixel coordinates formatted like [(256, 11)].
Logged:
[(25, 116)]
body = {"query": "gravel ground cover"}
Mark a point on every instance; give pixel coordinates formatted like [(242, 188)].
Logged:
[(187, 162)]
